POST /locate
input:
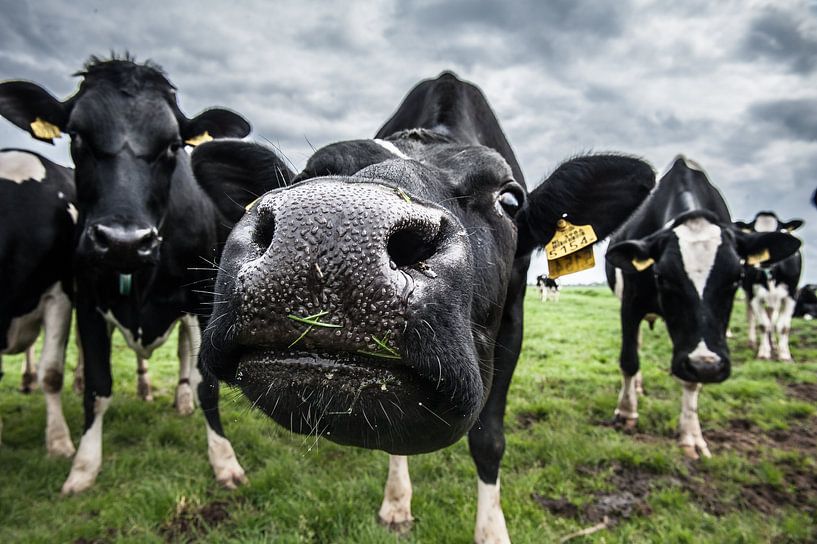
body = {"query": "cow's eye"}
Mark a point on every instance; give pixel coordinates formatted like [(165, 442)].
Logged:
[(511, 198), (172, 148)]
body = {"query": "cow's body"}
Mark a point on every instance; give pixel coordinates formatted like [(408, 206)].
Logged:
[(678, 257), (148, 234), (548, 288), (404, 266), (806, 305), (37, 217), (771, 292)]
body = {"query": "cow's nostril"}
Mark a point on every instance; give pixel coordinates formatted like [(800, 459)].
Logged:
[(264, 230), (410, 246)]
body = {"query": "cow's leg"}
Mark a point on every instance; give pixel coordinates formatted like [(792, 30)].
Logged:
[(219, 450), (96, 344), (626, 412), (764, 350), (542, 294), (188, 331), (79, 370), (692, 440), (143, 389), (28, 370), (783, 326), (57, 326), (486, 439), (751, 322), (395, 512)]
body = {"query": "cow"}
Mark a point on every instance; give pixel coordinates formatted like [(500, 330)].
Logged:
[(146, 230), (377, 300), (37, 218), (770, 290), (679, 257), (548, 288), (806, 305)]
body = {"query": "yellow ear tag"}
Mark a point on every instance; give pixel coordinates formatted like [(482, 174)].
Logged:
[(758, 258), (568, 239), (642, 264), (574, 262), (200, 139), (45, 130), (249, 206)]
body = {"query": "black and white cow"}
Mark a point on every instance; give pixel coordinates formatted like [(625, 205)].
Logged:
[(37, 218), (548, 288), (146, 229), (679, 257), (377, 301), (806, 305), (770, 290)]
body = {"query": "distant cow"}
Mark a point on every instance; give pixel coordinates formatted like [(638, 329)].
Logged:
[(377, 300), (679, 257), (770, 290), (37, 217), (548, 288), (806, 305), (148, 233)]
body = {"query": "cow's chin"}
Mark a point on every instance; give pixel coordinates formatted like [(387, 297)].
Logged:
[(352, 399)]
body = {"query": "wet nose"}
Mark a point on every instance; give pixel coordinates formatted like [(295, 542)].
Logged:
[(707, 364), (117, 243), (352, 252)]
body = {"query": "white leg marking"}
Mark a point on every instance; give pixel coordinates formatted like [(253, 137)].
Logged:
[(490, 528), (783, 328), (56, 325), (692, 440), (618, 287), (628, 399), (223, 460), (751, 325), (143, 390), (764, 350), (29, 371), (395, 512), (88, 459), (189, 342)]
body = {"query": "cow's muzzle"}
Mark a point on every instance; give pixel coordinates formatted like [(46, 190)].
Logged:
[(122, 248)]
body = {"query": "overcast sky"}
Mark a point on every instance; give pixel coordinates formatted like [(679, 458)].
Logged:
[(729, 84)]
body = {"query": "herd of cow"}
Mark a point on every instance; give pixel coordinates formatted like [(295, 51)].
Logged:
[(374, 298)]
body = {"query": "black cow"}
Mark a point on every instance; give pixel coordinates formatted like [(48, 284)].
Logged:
[(548, 288), (377, 301), (146, 229), (806, 305), (37, 217), (770, 290), (680, 258)]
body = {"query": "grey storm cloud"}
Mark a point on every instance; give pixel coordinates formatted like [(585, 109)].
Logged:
[(731, 86)]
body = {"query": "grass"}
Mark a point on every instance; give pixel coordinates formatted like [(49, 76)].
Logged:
[(156, 484)]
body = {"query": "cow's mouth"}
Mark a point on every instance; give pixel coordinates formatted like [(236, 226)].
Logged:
[(351, 398)]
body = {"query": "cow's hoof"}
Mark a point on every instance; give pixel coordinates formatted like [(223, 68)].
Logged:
[(625, 423), (232, 477), (77, 482), (184, 399), (60, 447), (696, 452), (399, 528)]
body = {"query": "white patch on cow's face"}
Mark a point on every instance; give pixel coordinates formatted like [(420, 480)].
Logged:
[(766, 223), (19, 166), (88, 459), (390, 147), (703, 355), (72, 211), (699, 241), (490, 519)]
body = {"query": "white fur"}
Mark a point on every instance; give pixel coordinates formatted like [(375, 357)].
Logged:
[(396, 506), (627, 398), (691, 438), (189, 343), (88, 459), (772, 308), (136, 345), (72, 211), (699, 241), (766, 223), (490, 527), (703, 355), (390, 147), (618, 286), (223, 460), (19, 166)]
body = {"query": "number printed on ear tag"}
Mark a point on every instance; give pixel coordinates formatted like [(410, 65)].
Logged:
[(571, 263), (568, 239)]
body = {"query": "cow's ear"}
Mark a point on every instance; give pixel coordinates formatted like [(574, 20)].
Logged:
[(765, 247), (597, 190), (743, 226), (33, 109), (637, 255), (213, 124), (235, 173), (792, 225)]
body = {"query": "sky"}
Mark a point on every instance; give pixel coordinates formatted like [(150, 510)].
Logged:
[(732, 85)]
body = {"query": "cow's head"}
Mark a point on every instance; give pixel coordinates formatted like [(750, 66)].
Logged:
[(127, 139), (767, 221), (362, 303), (697, 263)]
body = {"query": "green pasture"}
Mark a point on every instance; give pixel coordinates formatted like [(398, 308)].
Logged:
[(565, 467)]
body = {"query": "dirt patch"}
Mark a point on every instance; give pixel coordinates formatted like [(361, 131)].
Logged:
[(745, 437), (526, 420), (189, 521), (803, 391)]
